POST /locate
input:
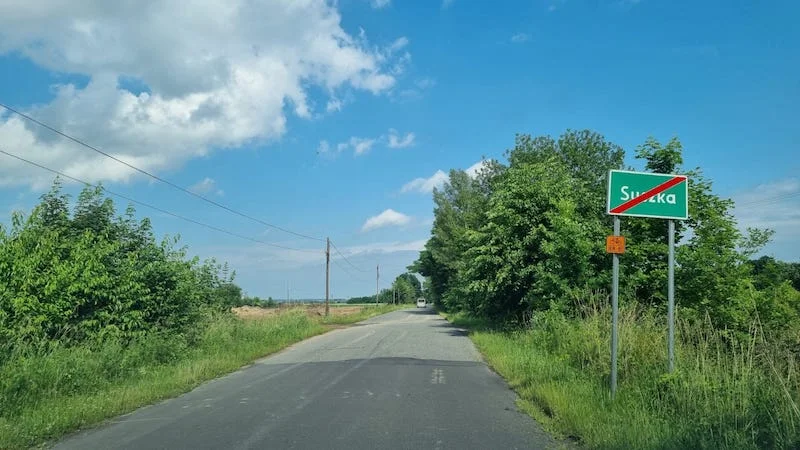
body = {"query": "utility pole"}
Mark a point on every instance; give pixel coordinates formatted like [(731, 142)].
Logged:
[(377, 282), (327, 273)]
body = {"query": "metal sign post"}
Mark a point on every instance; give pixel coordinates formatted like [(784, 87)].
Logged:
[(671, 296), (645, 195), (614, 312)]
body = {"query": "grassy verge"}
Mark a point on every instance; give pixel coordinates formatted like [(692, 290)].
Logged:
[(44, 395), (721, 396)]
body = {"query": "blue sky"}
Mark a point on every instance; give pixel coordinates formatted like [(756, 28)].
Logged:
[(314, 116)]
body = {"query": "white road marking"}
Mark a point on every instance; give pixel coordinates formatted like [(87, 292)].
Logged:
[(361, 338)]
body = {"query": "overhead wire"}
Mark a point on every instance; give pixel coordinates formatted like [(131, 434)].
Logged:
[(770, 200), (156, 177), (156, 208), (767, 201), (347, 260), (349, 273)]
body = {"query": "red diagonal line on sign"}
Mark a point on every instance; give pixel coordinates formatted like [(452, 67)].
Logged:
[(651, 193)]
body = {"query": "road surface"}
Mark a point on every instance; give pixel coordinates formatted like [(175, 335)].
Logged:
[(404, 380)]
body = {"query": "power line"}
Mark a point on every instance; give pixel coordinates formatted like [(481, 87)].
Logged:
[(770, 200), (155, 177), (163, 211), (348, 272), (347, 260)]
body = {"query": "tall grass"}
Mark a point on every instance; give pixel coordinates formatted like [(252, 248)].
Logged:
[(724, 394), (45, 393)]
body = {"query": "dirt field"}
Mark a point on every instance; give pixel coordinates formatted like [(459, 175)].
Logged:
[(252, 312)]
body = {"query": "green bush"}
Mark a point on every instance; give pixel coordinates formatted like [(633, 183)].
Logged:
[(90, 275)]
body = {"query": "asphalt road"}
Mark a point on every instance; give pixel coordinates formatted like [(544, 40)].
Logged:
[(404, 380)]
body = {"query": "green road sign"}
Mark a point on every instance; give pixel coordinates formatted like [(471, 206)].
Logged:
[(641, 194)]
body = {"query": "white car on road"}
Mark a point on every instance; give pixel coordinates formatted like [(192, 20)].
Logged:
[(420, 303)]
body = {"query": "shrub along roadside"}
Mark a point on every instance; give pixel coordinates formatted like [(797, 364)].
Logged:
[(722, 395), (45, 394)]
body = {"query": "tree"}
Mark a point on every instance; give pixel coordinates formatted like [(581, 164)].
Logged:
[(96, 275), (768, 272), (406, 288), (645, 262), (533, 233), (460, 206), (414, 283), (529, 237)]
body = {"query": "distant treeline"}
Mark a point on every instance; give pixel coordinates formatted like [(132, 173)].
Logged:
[(406, 288)]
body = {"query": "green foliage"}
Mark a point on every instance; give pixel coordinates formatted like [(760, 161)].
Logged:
[(361, 300), (518, 239), (406, 288), (92, 275), (721, 397), (460, 206), (256, 301), (644, 267), (527, 237), (767, 271)]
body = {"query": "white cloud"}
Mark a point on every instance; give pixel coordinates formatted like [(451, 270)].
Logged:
[(398, 44), (361, 145), (438, 179), (396, 141), (426, 185), (379, 4), (474, 169), (416, 92), (402, 63), (333, 105), (204, 186), (384, 247), (425, 83), (225, 75), (519, 38), (387, 218), (324, 147), (774, 205)]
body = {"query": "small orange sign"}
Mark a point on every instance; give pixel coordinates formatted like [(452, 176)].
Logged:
[(615, 244)]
